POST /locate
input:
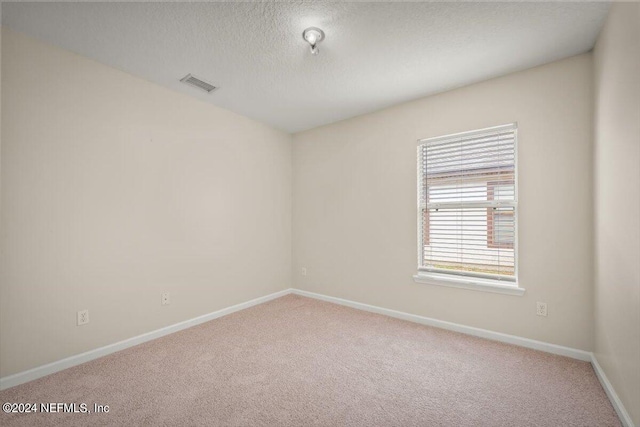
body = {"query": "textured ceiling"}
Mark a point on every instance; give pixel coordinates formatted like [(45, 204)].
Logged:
[(374, 55)]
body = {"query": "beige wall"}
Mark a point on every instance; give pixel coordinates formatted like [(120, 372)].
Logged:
[(355, 204), (115, 190), (617, 203)]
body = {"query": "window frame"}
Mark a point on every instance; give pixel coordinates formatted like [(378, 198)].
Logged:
[(461, 279)]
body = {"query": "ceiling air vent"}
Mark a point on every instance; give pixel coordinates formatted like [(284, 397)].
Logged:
[(196, 82)]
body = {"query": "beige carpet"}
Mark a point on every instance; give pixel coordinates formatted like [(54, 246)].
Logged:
[(299, 362)]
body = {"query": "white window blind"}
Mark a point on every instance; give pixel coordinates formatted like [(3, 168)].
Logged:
[(467, 202)]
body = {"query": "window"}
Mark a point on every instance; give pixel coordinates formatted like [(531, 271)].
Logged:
[(467, 202)]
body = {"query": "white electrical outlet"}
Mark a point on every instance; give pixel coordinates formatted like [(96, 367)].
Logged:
[(304, 271), (541, 309), (165, 298), (83, 317)]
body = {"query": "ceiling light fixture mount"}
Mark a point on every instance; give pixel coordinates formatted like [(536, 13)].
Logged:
[(313, 36)]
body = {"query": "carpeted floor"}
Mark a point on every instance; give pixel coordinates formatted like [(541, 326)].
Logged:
[(297, 362)]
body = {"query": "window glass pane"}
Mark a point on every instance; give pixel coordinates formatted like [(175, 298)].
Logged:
[(503, 227), (458, 241), (461, 193), (504, 192)]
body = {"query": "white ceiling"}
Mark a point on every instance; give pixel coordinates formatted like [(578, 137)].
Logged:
[(374, 55)]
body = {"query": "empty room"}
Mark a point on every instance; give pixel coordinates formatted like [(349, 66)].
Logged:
[(297, 213)]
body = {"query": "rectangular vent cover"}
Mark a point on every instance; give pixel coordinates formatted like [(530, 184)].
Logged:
[(196, 82)]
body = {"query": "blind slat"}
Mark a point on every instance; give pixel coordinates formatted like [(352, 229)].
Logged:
[(440, 149)]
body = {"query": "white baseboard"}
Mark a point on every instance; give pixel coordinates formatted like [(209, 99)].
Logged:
[(41, 371), (483, 333), (50, 368), (624, 416), (495, 336)]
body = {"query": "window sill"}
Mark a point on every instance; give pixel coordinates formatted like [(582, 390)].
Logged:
[(472, 283)]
